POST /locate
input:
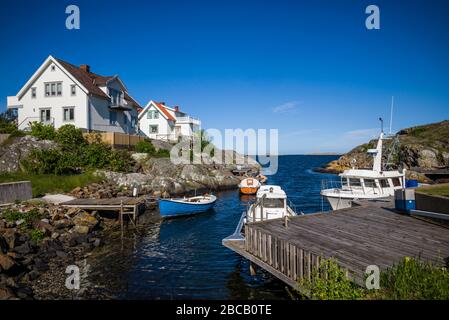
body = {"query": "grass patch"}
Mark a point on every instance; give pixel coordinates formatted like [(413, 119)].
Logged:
[(48, 183), (409, 279), (436, 190)]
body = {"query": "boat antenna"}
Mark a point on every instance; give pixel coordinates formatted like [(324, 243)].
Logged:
[(391, 113)]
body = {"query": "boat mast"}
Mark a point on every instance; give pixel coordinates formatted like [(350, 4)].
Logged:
[(377, 164), (391, 113)]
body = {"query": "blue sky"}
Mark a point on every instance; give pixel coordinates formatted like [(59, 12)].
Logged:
[(309, 68)]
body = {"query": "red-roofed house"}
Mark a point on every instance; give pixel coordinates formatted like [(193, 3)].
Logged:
[(158, 121), (60, 93)]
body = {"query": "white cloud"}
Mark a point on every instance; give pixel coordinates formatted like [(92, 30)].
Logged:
[(286, 107)]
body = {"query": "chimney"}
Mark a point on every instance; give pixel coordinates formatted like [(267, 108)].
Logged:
[(176, 108), (85, 67)]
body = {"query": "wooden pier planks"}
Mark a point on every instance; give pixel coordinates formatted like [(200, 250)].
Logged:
[(124, 205), (356, 237)]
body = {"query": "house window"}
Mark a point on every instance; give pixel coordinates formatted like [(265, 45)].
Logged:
[(53, 68), (73, 90), (112, 118), (33, 93), (116, 96), (153, 114), (154, 129), (69, 114), (53, 89), (45, 115)]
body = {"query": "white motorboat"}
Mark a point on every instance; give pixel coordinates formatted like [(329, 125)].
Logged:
[(358, 184), (271, 203)]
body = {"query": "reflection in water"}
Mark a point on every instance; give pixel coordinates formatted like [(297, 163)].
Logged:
[(183, 258)]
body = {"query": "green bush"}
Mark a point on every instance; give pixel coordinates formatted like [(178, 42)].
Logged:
[(7, 127), (70, 137), (413, 279), (329, 282), (119, 161), (28, 216), (162, 153), (96, 155), (145, 146), (51, 161), (37, 235), (41, 161), (42, 131)]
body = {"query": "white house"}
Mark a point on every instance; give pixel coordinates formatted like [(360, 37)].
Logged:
[(158, 121), (60, 93)]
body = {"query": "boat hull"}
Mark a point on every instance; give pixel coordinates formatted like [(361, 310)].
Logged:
[(248, 190), (173, 208)]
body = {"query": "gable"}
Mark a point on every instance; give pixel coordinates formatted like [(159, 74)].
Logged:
[(162, 110), (44, 70)]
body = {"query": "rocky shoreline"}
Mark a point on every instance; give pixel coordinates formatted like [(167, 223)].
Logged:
[(36, 237)]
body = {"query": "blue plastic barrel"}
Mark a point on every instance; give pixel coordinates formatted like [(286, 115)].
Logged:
[(411, 183)]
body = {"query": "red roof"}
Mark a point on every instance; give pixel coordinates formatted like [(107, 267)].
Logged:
[(164, 111), (92, 81)]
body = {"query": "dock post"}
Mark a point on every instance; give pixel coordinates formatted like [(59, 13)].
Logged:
[(121, 216), (252, 269), (286, 221)]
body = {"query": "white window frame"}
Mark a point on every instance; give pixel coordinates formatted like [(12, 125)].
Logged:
[(73, 90), (45, 121), (64, 114), (157, 128), (33, 93), (53, 88), (111, 121)]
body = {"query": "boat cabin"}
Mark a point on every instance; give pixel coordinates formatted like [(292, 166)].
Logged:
[(271, 203), (370, 182)]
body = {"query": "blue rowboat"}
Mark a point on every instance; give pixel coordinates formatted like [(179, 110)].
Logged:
[(186, 206)]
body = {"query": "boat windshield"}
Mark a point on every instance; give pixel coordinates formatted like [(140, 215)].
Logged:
[(355, 183), (369, 183), (396, 182), (384, 183), (273, 203)]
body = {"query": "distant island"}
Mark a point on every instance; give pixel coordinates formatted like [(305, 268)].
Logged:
[(323, 154)]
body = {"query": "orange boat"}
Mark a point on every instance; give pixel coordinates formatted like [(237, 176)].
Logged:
[(249, 186)]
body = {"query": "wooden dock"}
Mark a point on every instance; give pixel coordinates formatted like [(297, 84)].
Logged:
[(126, 206), (369, 234)]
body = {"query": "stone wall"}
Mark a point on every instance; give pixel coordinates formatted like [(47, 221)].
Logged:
[(12, 191)]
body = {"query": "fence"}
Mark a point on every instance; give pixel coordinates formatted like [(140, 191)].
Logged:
[(116, 139), (3, 137)]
